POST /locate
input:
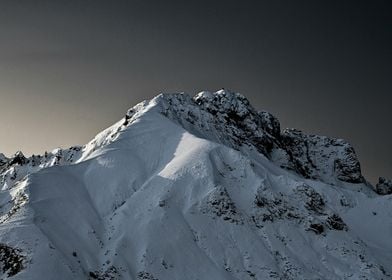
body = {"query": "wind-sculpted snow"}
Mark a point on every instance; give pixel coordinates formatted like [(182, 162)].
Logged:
[(181, 189)]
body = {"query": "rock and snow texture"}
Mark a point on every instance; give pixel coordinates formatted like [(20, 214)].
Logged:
[(18, 166), (194, 188), (229, 119), (384, 186)]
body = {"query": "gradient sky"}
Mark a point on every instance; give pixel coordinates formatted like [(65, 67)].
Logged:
[(69, 69)]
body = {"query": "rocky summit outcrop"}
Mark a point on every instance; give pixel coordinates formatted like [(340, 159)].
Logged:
[(228, 117), (384, 186), (319, 157), (18, 159), (223, 117)]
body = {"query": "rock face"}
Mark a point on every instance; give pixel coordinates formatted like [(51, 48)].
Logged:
[(224, 117), (18, 159), (320, 157), (270, 124), (384, 186), (11, 261), (228, 118)]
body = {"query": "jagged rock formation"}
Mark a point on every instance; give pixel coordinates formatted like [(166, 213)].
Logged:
[(320, 157), (228, 118), (15, 168), (18, 159), (194, 188)]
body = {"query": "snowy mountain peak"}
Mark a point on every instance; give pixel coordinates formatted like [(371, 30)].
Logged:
[(223, 117), (228, 118), (194, 188), (224, 101)]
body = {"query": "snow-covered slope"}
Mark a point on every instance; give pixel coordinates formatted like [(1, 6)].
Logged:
[(194, 188)]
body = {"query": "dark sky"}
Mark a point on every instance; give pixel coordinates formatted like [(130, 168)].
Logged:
[(68, 69)]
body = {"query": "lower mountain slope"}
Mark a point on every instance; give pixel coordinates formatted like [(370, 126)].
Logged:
[(153, 198)]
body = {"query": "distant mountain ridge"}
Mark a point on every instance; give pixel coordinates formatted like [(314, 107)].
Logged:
[(202, 187)]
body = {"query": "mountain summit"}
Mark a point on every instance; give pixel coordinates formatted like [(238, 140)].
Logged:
[(194, 188)]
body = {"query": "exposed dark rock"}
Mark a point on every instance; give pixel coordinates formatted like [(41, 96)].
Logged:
[(335, 222), (143, 275), (384, 186), (313, 200), (127, 118), (296, 147), (35, 160), (93, 275), (271, 209), (220, 203), (314, 156), (348, 168), (317, 228), (111, 273), (234, 122), (261, 201), (18, 158), (270, 123), (11, 260), (243, 122)]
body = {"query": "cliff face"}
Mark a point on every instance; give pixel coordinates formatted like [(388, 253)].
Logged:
[(228, 118), (319, 157)]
